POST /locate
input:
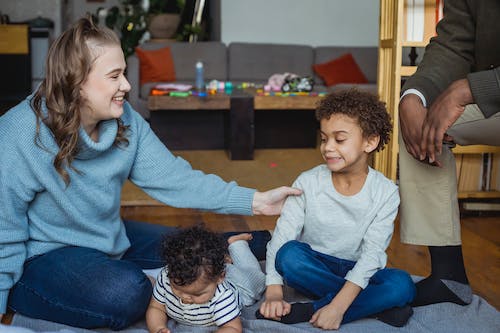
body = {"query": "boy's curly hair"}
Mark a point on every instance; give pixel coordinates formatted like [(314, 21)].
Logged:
[(370, 112), (192, 253)]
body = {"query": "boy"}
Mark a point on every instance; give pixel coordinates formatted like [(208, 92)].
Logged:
[(199, 287), (330, 242)]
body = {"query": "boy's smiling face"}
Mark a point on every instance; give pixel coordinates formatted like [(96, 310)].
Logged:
[(343, 145)]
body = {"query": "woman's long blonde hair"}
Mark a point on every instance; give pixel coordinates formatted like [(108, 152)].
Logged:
[(68, 65)]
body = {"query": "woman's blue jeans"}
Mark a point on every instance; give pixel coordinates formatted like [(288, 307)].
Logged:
[(321, 277), (84, 287)]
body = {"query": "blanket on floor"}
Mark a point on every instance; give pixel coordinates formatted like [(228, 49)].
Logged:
[(479, 316)]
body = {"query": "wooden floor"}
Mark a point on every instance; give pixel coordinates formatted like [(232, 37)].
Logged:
[(271, 168)]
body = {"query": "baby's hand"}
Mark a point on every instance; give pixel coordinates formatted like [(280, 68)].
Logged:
[(163, 330)]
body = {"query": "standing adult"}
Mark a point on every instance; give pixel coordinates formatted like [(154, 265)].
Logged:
[(453, 98), (65, 254)]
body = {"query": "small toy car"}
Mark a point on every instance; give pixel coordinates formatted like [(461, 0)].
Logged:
[(297, 84)]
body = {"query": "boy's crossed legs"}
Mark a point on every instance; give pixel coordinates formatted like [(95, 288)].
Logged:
[(321, 277)]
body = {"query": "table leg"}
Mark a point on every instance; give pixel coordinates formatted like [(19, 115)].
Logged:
[(241, 131)]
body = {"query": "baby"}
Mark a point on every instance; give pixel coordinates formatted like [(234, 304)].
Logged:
[(206, 281)]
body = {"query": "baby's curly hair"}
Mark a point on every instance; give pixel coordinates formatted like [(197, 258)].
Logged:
[(370, 112), (192, 253)]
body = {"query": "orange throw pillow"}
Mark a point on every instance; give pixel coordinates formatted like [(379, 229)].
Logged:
[(155, 65), (344, 69)]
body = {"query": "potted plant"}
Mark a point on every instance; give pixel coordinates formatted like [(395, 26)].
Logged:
[(164, 17), (128, 20)]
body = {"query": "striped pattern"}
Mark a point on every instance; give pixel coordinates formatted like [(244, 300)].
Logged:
[(222, 308)]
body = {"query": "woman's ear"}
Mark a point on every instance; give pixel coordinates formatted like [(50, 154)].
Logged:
[(372, 143)]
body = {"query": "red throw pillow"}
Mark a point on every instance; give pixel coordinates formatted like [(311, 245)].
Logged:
[(156, 65), (344, 69)]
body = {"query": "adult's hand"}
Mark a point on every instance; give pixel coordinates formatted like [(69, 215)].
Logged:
[(443, 113), (271, 202), (412, 114)]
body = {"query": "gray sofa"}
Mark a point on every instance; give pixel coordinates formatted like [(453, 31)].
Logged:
[(248, 62)]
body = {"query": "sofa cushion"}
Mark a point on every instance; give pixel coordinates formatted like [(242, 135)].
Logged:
[(340, 70), (155, 65), (185, 55), (365, 56), (256, 62)]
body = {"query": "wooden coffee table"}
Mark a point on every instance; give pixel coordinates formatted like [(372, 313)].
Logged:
[(193, 103), (239, 138), (241, 105), (262, 102)]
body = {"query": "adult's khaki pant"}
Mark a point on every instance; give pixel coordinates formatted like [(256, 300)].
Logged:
[(429, 213)]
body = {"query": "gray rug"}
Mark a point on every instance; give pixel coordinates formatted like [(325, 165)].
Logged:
[(479, 316)]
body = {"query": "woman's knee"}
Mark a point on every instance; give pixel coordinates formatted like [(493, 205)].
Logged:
[(290, 256), (127, 300)]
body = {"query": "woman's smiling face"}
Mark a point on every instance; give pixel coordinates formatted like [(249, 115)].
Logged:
[(105, 87)]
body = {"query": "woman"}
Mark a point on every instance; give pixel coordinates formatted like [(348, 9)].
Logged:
[(65, 254)]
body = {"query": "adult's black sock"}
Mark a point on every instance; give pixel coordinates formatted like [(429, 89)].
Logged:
[(447, 263), (397, 316), (448, 280), (299, 313)]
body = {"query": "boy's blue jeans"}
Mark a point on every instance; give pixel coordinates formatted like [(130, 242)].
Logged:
[(83, 287), (321, 277)]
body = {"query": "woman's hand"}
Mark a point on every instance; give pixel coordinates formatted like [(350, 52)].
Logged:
[(271, 202)]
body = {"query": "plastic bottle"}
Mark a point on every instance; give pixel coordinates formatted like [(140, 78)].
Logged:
[(199, 81)]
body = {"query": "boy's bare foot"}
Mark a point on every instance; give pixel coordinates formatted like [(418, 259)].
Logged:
[(244, 236)]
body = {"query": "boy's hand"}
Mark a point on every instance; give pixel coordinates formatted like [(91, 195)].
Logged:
[(327, 318), (330, 316), (274, 307)]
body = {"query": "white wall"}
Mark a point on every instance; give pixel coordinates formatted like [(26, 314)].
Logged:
[(24, 10), (78, 8), (62, 12), (311, 22)]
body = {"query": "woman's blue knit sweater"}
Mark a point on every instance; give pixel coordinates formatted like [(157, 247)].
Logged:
[(39, 213)]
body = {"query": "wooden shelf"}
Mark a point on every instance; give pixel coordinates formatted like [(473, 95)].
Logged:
[(413, 44), (392, 36), (386, 43), (408, 70), (478, 149), (479, 195)]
